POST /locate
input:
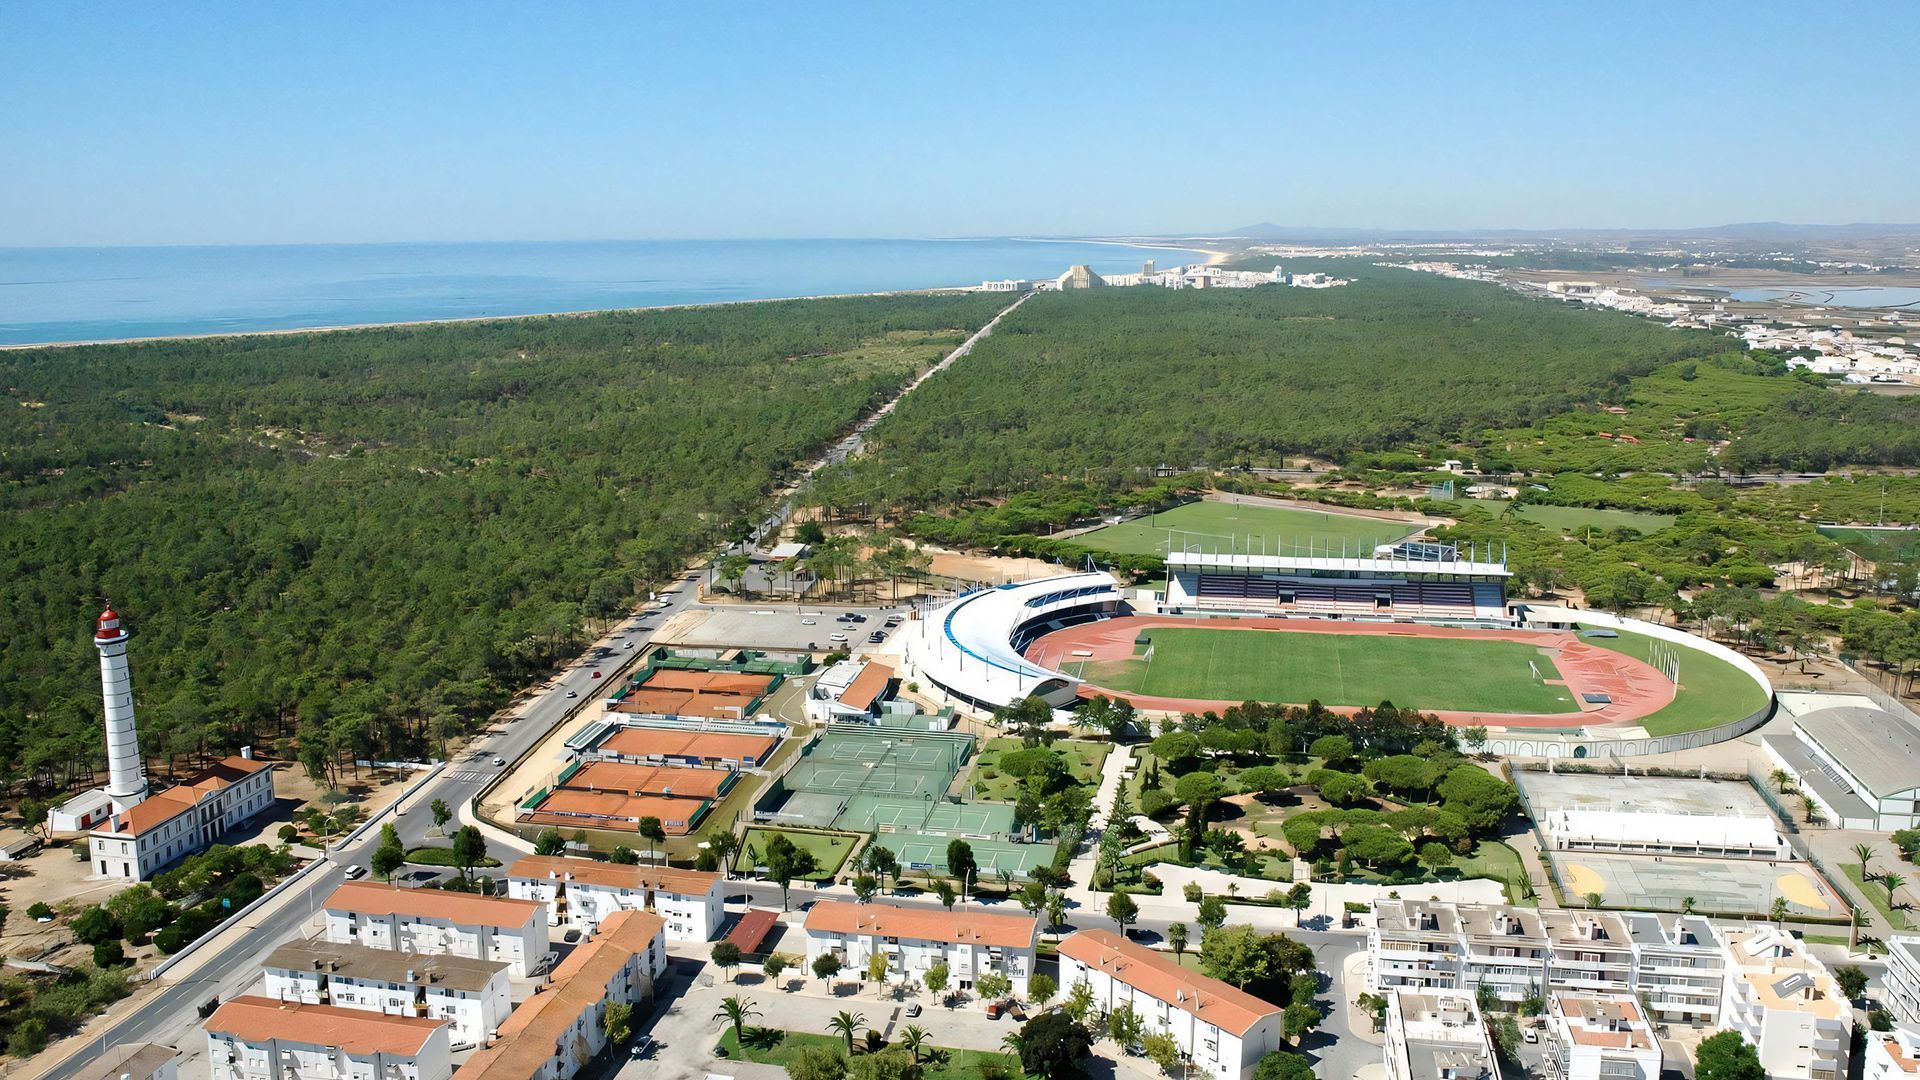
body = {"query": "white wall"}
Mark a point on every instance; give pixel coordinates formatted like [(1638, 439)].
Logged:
[(1213, 1051)]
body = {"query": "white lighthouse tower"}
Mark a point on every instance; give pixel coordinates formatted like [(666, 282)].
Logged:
[(126, 775)]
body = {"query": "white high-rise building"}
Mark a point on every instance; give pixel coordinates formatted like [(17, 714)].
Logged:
[(126, 776)]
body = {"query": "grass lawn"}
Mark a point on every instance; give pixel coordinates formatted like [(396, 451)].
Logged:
[(1876, 895), (1083, 760), (1711, 691), (1337, 669), (442, 856), (829, 849), (1216, 523), (770, 1046), (1570, 520)]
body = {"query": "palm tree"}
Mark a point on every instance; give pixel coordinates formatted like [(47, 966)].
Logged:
[(736, 1012), (913, 1039), (845, 1024), (1864, 852), (1012, 1042), (1686, 905), (1782, 780), (1593, 899), (1853, 925), (1893, 883)]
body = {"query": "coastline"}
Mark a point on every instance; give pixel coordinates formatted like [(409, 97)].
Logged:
[(1213, 258)]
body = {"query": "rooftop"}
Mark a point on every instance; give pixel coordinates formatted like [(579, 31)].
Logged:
[(1780, 975), (259, 1020), (614, 875), (127, 1059), (1443, 1034), (1881, 751), (1610, 1021), (923, 924), (1162, 977), (467, 909), (868, 685), (385, 965), (529, 1036)]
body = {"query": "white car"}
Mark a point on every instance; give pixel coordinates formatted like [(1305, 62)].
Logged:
[(836, 637), (808, 622)]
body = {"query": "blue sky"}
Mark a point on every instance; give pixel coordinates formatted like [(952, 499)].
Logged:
[(240, 122)]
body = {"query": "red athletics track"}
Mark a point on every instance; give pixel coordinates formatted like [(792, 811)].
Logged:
[(1637, 690)]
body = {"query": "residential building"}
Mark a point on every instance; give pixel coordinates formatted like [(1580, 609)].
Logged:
[(1437, 1035), (1012, 285), (1785, 1003), (256, 1038), (970, 943), (472, 996), (1900, 986), (1520, 953), (1222, 1030), (1599, 1037), (170, 825), (436, 922), (133, 1061), (552, 1034), (1892, 1055), (1678, 968), (582, 893)]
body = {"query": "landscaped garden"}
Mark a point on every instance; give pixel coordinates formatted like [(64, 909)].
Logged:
[(829, 850), (993, 781)]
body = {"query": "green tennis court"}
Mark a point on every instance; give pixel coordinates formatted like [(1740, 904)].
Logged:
[(1207, 526), (928, 854)]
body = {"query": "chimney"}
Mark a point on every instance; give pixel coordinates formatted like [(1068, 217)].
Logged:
[(410, 977), (247, 752)]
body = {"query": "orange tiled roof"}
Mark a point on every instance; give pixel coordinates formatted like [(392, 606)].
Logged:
[(467, 909), (923, 924), (258, 1020), (158, 809), (528, 1037), (866, 686), (1161, 976), (615, 875)]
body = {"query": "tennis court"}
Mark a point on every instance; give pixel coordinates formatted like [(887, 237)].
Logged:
[(929, 854), (1721, 886), (885, 814)]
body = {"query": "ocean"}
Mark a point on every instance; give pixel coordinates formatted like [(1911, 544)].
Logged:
[(106, 294)]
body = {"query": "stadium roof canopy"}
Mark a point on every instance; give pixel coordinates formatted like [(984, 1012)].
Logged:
[(1294, 564), (968, 647)]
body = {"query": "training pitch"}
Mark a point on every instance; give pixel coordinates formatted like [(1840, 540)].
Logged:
[(1481, 675), (1211, 525)]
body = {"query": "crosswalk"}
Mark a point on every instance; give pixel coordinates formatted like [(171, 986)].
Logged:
[(470, 776)]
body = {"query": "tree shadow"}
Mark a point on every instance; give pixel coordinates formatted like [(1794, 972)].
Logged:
[(762, 1038)]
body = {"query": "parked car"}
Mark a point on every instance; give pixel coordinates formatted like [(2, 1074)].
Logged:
[(836, 637), (876, 638), (642, 1046), (1532, 1034), (845, 616), (993, 1010), (892, 621), (354, 872), (856, 617), (913, 1009), (571, 936), (808, 622)]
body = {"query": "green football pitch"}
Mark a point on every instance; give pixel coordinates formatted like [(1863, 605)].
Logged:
[(1337, 669), (1217, 526)]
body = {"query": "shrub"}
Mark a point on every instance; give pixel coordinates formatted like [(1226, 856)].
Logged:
[(109, 954), (1193, 892), (40, 911)]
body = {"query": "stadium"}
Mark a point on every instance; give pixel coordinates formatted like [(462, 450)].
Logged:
[(1421, 624)]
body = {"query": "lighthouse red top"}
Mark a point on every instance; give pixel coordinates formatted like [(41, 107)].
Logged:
[(109, 626)]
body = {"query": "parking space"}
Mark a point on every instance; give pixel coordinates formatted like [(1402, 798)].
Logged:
[(811, 628)]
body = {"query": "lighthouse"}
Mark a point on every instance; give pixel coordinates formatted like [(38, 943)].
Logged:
[(126, 776)]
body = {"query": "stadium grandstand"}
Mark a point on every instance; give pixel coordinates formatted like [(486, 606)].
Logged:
[(970, 649), (1413, 580)]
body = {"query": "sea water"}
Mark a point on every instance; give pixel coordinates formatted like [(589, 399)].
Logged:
[(106, 294)]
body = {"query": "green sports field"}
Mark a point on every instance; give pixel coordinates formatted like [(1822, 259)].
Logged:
[(1337, 669), (1218, 526)]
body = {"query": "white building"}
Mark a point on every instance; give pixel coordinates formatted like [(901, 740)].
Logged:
[(1422, 582), (851, 691), (970, 943), (1008, 285), (970, 649), (133, 1061), (1223, 1031), (436, 921), (1900, 986), (470, 995), (1862, 766), (1785, 1003), (1676, 960), (256, 1038), (170, 825), (552, 1034), (582, 893), (1641, 832), (1437, 1035), (1600, 1037), (1892, 1055)]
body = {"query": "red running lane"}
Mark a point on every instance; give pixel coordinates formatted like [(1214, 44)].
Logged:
[(1638, 690)]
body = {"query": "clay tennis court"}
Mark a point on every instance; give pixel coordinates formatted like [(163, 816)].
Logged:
[(1632, 688), (614, 810), (707, 747), (650, 780)]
